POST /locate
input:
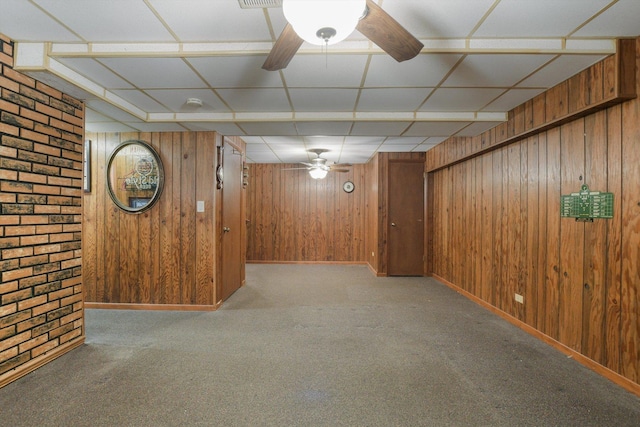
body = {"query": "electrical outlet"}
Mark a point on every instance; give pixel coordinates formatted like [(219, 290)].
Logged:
[(519, 298)]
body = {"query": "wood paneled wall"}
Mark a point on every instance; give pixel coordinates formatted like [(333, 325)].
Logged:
[(293, 217), (165, 255), (496, 229)]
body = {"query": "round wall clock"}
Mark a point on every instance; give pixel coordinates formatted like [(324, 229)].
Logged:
[(348, 186)]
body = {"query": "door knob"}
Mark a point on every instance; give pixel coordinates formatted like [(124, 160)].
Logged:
[(226, 229), (393, 224)]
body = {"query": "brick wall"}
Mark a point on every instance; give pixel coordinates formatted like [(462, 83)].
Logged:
[(41, 300)]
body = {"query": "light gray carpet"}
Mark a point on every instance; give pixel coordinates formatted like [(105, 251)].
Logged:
[(316, 345)]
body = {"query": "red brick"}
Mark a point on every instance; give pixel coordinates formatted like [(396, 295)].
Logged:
[(20, 230), (17, 296), (35, 219), (20, 359), (8, 106), (8, 151), (48, 229), (71, 263), (15, 340), (34, 260), (28, 345), (34, 240), (56, 180), (14, 318), (19, 77), (32, 302), (33, 136), (47, 130), (71, 335), (44, 348), (58, 124), (7, 309), (9, 219), (47, 249), (46, 209), (49, 90), (8, 354), (16, 274), (11, 130), (61, 256), (17, 252), (8, 84), (46, 149), (45, 308), (49, 111), (32, 177)]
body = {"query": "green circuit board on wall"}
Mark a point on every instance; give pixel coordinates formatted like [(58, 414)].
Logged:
[(586, 204)]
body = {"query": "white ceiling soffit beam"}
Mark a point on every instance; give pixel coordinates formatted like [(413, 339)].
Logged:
[(39, 61)]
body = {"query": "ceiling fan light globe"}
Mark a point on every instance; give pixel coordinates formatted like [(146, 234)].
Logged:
[(307, 17), (317, 173)]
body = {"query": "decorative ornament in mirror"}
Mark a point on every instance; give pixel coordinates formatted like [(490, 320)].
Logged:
[(135, 176)]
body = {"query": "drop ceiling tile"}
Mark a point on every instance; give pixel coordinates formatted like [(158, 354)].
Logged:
[(108, 127), (268, 128), (108, 110), (255, 100), (477, 128), (262, 157), (141, 100), (154, 73), (362, 141), (318, 100), (228, 129), (100, 21), (323, 128), (494, 70), (293, 141), (512, 99), (457, 99), (392, 100), (421, 71), (158, 127), (404, 140), (540, 18), (435, 128), (379, 128), (235, 71), (620, 20), (559, 70), (28, 23), (254, 140), (423, 148), (176, 100), (437, 18), (203, 20), (396, 148), (96, 72), (332, 71)]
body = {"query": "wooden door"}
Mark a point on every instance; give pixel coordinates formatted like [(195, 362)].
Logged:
[(406, 218), (232, 221)]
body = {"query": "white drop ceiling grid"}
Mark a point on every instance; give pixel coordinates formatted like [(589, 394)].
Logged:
[(136, 62)]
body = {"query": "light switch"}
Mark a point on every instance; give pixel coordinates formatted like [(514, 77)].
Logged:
[(200, 207)]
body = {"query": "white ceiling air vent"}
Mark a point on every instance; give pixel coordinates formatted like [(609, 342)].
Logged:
[(257, 4)]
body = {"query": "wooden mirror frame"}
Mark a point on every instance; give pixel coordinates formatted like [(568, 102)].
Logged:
[(140, 173)]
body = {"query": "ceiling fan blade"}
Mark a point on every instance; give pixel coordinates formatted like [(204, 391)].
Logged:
[(379, 27), (341, 165), (339, 170), (283, 50), (293, 169)]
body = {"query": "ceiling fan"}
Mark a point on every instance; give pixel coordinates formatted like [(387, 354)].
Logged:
[(372, 21), (318, 167)]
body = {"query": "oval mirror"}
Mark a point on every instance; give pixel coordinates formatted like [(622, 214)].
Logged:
[(134, 176)]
